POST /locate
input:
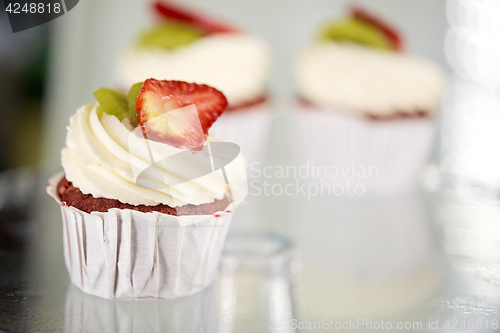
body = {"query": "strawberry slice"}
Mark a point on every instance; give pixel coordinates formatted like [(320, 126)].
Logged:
[(175, 12), (178, 113), (392, 34)]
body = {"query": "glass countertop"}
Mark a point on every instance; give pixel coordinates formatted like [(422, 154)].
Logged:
[(423, 261)]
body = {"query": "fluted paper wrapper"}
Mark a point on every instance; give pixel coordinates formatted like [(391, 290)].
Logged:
[(248, 128), (127, 254), (390, 152)]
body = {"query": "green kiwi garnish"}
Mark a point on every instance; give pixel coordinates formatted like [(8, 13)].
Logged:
[(357, 31), (118, 104), (112, 102), (132, 96), (170, 36)]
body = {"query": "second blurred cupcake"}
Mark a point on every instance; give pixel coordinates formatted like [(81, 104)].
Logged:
[(367, 109), (187, 46)]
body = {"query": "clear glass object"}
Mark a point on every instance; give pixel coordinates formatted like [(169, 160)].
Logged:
[(256, 284)]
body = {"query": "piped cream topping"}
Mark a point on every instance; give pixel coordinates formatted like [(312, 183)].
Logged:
[(237, 64), (105, 157), (361, 80)]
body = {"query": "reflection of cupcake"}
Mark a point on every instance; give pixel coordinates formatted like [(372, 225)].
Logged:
[(141, 218), (367, 106), (192, 314), (382, 260), (189, 47)]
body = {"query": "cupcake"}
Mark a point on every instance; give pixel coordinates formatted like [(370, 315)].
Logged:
[(187, 46), (147, 195), (367, 109)]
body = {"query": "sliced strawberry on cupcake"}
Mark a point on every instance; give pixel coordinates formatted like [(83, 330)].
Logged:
[(171, 11), (178, 113), (179, 27), (365, 29), (391, 33)]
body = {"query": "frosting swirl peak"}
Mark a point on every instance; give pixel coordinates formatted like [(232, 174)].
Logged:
[(104, 157)]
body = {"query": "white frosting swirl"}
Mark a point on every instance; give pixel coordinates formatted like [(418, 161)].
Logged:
[(236, 64), (362, 80), (104, 156)]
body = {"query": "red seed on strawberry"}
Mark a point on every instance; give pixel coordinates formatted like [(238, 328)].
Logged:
[(178, 113)]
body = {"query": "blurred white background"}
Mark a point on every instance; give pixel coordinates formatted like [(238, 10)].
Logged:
[(469, 136), (88, 40)]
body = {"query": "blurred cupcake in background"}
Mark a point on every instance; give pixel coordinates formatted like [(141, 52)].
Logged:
[(187, 46), (367, 108)]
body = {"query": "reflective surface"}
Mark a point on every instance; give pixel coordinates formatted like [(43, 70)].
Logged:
[(426, 261), (425, 257)]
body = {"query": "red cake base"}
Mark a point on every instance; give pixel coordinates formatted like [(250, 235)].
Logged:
[(73, 197)]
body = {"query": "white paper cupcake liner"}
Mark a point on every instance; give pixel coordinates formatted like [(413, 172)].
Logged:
[(127, 254), (248, 128), (381, 155)]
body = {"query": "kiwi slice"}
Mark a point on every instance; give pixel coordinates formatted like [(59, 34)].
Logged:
[(132, 96), (118, 104), (170, 36), (112, 102), (357, 31)]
